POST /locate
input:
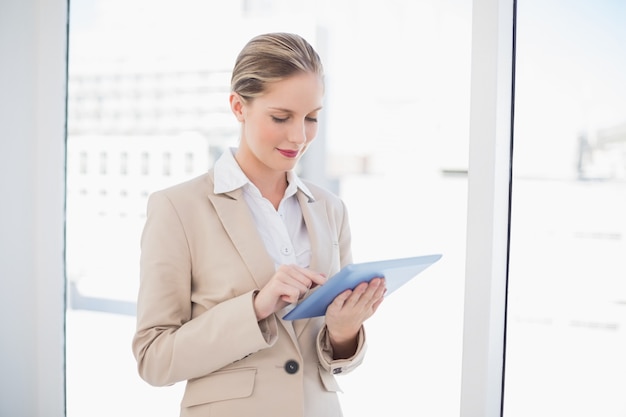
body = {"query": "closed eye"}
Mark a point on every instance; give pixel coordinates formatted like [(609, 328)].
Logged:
[(279, 120), (311, 119)]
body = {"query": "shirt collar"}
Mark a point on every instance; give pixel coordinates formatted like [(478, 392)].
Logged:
[(229, 177)]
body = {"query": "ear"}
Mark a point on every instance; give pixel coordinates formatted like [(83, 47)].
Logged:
[(236, 106)]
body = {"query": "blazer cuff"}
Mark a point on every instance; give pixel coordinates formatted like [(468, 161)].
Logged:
[(339, 366)]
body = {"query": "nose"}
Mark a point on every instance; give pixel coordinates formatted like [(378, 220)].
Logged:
[(297, 133)]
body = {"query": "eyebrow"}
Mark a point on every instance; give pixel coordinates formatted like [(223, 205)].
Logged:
[(291, 111)]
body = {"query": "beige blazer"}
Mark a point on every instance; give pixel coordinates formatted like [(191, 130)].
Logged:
[(201, 261)]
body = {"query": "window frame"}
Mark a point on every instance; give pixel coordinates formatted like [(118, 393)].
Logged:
[(488, 213)]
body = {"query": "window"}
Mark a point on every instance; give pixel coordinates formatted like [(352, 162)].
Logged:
[(124, 163), (566, 326), (103, 163), (393, 140), (167, 164)]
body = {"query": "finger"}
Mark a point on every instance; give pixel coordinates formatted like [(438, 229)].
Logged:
[(382, 290), (375, 287), (341, 299), (318, 279), (376, 291), (292, 276), (378, 287), (366, 294), (304, 294), (305, 276), (361, 291), (322, 281), (377, 304), (290, 295), (313, 278)]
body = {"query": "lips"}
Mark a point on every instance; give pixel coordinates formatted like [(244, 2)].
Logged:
[(288, 153)]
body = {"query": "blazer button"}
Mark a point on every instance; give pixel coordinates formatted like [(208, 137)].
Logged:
[(291, 367)]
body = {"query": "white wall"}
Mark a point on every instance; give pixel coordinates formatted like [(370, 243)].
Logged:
[(32, 182)]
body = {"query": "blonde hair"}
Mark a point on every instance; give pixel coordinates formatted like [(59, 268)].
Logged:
[(269, 58)]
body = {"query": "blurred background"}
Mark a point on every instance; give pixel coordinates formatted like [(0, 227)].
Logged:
[(148, 107)]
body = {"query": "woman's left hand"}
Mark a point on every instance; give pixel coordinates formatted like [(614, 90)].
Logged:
[(346, 314)]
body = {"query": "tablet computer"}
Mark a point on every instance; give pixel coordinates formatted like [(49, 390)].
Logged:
[(396, 272)]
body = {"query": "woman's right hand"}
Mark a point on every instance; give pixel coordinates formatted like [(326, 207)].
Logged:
[(288, 285)]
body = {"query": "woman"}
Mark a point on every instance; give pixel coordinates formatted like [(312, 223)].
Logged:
[(226, 255)]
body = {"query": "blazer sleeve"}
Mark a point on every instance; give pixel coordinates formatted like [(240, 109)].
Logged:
[(170, 347), (339, 366)]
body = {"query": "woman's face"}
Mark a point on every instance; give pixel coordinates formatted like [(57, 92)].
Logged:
[(278, 126)]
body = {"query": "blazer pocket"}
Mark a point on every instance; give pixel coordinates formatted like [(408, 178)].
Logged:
[(219, 386)]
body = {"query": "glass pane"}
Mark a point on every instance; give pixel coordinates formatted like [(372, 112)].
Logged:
[(148, 107), (566, 326)]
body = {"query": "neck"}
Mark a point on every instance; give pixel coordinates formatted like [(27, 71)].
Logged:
[(271, 184)]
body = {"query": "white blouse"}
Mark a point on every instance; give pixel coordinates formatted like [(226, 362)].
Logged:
[(283, 231)]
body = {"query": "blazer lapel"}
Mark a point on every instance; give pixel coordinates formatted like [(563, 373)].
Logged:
[(316, 220), (239, 224), (318, 226)]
